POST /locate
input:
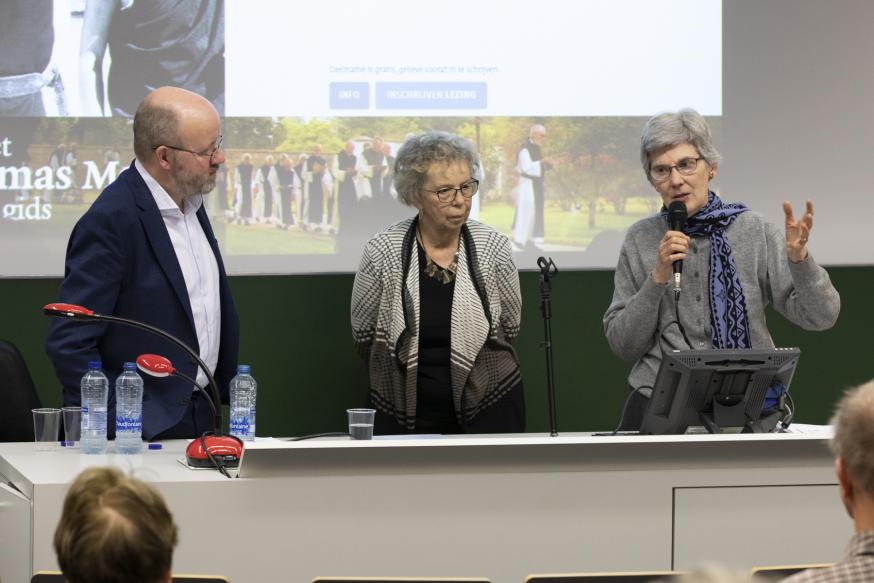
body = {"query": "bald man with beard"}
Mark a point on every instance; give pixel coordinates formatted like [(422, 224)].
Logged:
[(145, 250)]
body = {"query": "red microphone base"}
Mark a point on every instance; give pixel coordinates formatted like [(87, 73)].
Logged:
[(226, 449)]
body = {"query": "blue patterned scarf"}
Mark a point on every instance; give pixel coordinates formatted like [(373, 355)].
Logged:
[(728, 306)]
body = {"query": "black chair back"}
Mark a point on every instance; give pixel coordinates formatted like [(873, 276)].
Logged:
[(17, 394), (780, 572), (399, 580), (631, 577), (57, 577)]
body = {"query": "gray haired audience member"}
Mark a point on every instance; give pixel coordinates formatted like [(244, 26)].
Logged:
[(853, 446), (114, 529)]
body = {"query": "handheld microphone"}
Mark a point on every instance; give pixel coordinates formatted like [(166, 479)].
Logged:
[(199, 452), (677, 220)]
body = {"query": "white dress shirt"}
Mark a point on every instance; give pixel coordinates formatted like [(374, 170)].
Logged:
[(199, 267)]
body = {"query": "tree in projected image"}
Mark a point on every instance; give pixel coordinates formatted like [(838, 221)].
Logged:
[(601, 172), (253, 133)]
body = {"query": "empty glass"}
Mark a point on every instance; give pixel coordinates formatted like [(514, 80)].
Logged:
[(72, 425), (46, 423)]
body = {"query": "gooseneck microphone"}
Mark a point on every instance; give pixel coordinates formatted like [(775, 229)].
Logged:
[(160, 367), (199, 452), (220, 448), (677, 220)]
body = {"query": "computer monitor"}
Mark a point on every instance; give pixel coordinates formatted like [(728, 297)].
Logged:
[(717, 389)]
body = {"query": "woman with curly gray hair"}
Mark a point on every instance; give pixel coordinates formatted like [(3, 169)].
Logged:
[(736, 264), (436, 304)]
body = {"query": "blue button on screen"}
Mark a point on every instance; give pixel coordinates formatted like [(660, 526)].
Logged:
[(431, 95), (350, 95)]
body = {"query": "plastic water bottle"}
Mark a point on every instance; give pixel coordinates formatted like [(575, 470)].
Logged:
[(243, 392), (129, 410), (94, 392)]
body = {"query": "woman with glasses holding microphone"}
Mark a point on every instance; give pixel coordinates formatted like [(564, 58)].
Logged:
[(735, 264), (436, 304)]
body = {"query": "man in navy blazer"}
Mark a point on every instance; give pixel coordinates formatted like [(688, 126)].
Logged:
[(145, 250)]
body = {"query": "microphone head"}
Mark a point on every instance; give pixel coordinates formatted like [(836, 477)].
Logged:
[(59, 310), (677, 215), (155, 365)]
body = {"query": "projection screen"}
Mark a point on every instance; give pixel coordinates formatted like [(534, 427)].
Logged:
[(297, 83)]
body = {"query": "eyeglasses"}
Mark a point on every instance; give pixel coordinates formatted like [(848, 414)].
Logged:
[(686, 167), (447, 194), (210, 153)]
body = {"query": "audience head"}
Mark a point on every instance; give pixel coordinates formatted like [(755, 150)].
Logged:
[(853, 444), (114, 528), (713, 573)]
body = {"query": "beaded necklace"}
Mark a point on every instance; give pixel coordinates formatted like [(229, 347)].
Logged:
[(444, 275)]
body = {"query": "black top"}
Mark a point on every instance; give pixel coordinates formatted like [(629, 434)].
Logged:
[(435, 411)]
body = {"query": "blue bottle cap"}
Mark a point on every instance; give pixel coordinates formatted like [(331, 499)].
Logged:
[(130, 366), (244, 369), (94, 365), (155, 446)]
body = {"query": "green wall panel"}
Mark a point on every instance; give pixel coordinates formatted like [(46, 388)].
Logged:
[(296, 336)]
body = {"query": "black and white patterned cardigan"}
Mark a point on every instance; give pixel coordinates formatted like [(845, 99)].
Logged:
[(486, 313)]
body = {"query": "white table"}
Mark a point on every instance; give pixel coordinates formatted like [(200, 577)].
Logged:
[(496, 507)]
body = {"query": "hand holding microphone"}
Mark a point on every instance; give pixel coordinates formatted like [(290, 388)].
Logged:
[(672, 248)]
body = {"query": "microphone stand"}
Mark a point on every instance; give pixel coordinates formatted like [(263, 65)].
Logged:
[(548, 270), (82, 314)]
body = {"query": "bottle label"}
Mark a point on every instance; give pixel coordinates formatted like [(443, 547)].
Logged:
[(240, 423), (240, 426), (129, 424)]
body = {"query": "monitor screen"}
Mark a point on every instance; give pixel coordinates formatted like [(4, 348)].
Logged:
[(718, 389)]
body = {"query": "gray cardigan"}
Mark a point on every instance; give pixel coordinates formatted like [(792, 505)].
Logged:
[(641, 309)]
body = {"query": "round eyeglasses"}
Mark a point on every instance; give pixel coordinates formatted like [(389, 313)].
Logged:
[(686, 167), (210, 153), (447, 194)]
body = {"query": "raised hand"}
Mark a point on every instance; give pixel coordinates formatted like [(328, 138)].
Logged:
[(797, 231)]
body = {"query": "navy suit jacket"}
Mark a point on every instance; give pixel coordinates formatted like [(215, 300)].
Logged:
[(121, 262)]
